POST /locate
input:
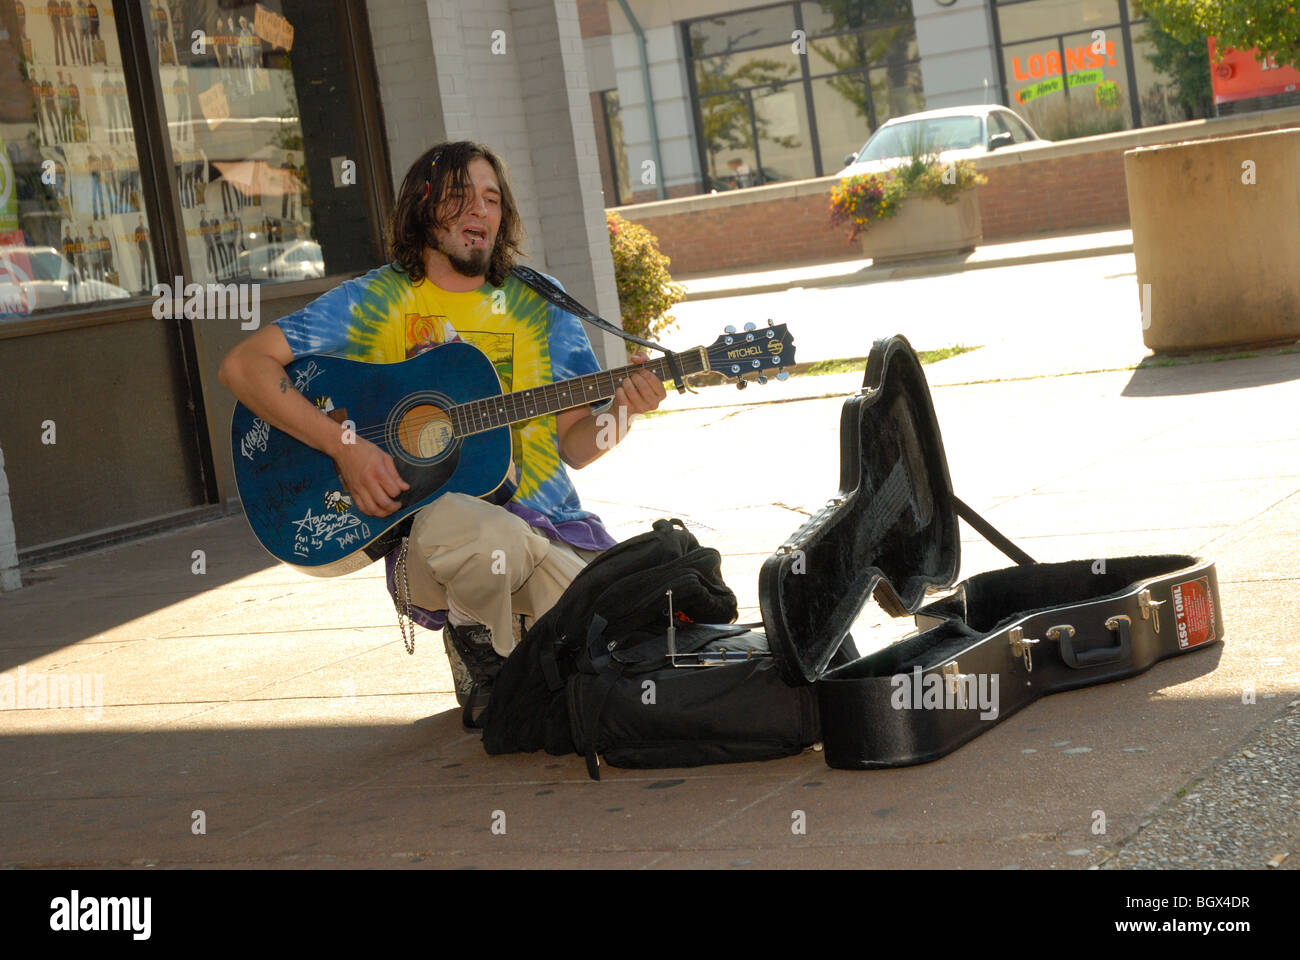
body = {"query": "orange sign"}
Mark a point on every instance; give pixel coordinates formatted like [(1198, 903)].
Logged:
[(1039, 65), (1239, 76)]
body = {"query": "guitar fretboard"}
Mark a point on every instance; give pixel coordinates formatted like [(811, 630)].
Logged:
[(489, 412)]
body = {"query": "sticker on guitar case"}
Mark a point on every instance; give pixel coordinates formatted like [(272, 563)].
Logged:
[(1193, 612)]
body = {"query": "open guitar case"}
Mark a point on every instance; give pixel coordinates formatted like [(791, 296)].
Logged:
[(891, 531)]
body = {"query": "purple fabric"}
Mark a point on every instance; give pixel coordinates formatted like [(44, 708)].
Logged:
[(587, 534)]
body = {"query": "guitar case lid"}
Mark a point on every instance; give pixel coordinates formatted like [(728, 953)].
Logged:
[(891, 529)]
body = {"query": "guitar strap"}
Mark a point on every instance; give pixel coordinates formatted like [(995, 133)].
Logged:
[(538, 282)]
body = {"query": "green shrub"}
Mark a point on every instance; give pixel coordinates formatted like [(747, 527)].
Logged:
[(646, 292)]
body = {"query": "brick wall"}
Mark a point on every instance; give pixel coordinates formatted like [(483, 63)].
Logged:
[(593, 18), (1054, 195), (1068, 186)]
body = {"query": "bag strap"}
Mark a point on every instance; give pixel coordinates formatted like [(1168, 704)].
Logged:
[(609, 670), (595, 707), (531, 278), (986, 530)]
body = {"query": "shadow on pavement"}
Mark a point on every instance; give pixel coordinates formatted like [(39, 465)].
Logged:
[(66, 601), (1213, 376), (340, 789)]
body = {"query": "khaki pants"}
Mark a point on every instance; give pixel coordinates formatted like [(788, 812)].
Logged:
[(487, 563)]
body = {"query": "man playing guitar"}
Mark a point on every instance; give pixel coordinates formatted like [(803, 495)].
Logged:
[(472, 567)]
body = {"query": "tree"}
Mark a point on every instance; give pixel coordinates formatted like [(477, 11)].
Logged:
[(1272, 26), (1186, 64)]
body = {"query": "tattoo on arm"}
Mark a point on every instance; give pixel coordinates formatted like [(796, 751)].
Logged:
[(284, 384)]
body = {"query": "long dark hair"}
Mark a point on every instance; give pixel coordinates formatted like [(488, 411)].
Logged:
[(443, 168)]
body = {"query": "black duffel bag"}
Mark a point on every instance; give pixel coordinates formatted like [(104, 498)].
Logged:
[(593, 675)]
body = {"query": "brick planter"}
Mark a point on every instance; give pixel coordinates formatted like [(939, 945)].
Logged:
[(925, 227)]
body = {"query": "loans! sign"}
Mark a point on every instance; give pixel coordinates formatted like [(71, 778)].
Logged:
[(1239, 76), (1082, 67)]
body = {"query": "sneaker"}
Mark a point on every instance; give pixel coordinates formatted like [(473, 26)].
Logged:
[(474, 667)]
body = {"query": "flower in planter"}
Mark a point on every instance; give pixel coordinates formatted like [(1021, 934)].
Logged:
[(862, 199)]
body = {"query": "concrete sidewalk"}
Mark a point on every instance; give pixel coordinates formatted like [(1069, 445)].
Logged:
[(285, 709), (1006, 253)]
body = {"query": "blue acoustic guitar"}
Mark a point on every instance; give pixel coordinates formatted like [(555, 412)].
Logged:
[(442, 417)]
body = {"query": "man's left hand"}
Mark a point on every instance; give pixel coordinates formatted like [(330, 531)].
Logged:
[(641, 392)]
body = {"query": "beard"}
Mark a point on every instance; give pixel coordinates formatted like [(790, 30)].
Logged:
[(471, 264)]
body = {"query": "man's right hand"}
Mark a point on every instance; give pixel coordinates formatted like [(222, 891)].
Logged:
[(370, 477), (254, 372)]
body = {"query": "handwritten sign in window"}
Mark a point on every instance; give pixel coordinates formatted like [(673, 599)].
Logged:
[(214, 105), (273, 28)]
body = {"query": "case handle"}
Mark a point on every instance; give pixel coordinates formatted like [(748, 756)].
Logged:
[(1119, 624)]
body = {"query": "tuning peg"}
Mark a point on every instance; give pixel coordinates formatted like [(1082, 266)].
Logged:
[(769, 321), (783, 375), (750, 325), (760, 379), (728, 329), (742, 383)]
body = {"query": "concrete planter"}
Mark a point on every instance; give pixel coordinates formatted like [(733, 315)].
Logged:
[(1216, 235), (925, 227)]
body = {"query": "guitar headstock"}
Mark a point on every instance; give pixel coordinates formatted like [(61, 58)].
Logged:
[(762, 351)]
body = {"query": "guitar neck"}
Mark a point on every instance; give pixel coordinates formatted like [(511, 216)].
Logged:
[(489, 412)]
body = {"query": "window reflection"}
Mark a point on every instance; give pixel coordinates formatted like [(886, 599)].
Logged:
[(237, 142), (72, 225), (752, 101)]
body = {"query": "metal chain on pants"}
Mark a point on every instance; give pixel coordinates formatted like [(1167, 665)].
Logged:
[(402, 600)]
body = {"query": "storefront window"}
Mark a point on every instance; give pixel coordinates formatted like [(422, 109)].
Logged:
[(260, 107), (742, 31), (1164, 98), (894, 44), (781, 115), (896, 91), (1065, 88), (616, 146), (1030, 19), (748, 69), (241, 90), (729, 138), (1066, 64), (843, 121), (754, 86), (838, 16), (73, 229)]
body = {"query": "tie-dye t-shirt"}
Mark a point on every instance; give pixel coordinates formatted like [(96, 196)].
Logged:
[(382, 318)]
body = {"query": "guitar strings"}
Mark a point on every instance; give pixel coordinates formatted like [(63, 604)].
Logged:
[(380, 432)]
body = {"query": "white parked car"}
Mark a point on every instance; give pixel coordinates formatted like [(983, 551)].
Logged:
[(39, 278), (954, 133), (294, 260)]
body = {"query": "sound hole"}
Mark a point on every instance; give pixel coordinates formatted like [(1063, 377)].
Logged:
[(424, 431)]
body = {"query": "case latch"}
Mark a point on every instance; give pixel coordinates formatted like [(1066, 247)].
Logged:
[(953, 685), (1022, 646), (1150, 608)]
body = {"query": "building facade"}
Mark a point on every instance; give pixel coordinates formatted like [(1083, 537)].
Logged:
[(745, 95)]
